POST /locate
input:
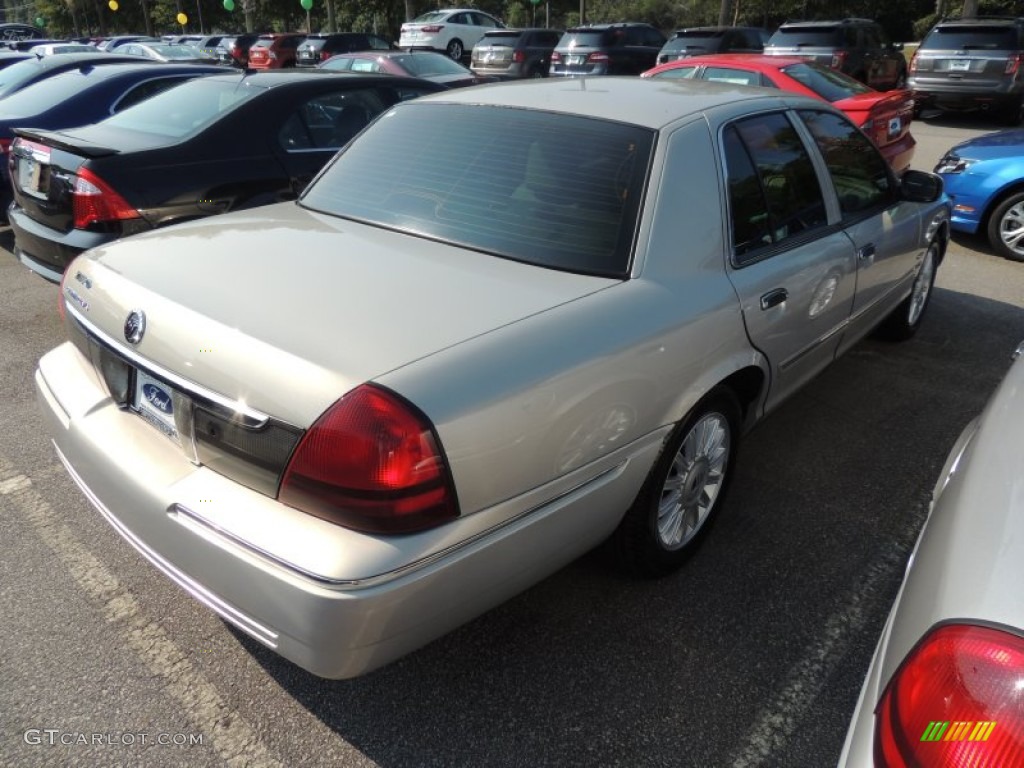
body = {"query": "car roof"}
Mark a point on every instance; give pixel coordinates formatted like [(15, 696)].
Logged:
[(648, 102)]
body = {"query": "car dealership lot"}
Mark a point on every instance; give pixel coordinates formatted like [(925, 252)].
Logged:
[(751, 655)]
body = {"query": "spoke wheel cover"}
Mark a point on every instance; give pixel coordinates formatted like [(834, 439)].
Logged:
[(694, 481), (1011, 229), (922, 287)]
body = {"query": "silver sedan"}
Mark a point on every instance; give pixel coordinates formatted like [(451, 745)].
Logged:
[(946, 685), (501, 327)]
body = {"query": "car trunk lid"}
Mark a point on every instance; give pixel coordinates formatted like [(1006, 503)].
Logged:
[(884, 117), (302, 306)]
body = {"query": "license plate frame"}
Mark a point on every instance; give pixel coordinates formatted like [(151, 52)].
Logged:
[(31, 175), (959, 65), (154, 401)]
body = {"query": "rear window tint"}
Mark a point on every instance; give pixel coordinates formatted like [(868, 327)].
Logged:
[(828, 83), (996, 38), (555, 191), (809, 36), (585, 39), (181, 111)]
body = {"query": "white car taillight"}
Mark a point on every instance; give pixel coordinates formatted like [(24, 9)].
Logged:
[(957, 701)]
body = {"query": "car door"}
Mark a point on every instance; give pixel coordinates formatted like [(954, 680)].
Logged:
[(793, 269), (884, 230)]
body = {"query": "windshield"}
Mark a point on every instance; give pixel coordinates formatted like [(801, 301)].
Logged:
[(557, 191), (968, 37), (813, 37), (427, 64), (187, 108), (830, 84)]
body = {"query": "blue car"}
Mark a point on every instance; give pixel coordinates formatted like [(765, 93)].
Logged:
[(985, 179), (81, 96)]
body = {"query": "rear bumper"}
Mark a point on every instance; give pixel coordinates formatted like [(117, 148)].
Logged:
[(46, 251), (196, 527), (955, 97), (900, 153)]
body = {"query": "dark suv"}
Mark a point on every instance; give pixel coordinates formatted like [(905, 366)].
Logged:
[(858, 47), (971, 64), (318, 48), (606, 49), (700, 41), (514, 53)]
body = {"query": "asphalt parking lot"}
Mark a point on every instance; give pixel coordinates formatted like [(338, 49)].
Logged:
[(752, 655)]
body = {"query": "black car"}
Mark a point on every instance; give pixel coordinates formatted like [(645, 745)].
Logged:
[(84, 95), (856, 47), (968, 64), (214, 144), (607, 49), (514, 53), (35, 68), (701, 41), (317, 48)]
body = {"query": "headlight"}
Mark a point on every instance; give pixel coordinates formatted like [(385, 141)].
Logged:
[(951, 163)]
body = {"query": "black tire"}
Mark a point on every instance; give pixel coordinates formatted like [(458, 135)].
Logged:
[(673, 513), (901, 80), (455, 50), (1011, 113), (1007, 217), (904, 321)]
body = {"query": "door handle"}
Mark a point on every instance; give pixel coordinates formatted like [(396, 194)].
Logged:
[(866, 253), (774, 298)]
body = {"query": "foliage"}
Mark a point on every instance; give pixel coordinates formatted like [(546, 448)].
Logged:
[(903, 19)]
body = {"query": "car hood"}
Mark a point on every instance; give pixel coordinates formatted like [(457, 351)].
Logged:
[(286, 309), (1002, 144)]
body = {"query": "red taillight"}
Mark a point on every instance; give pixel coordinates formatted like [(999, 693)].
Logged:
[(518, 56), (597, 56), (913, 63), (325, 55), (957, 701), (837, 59), (5, 145), (556, 56), (432, 29), (371, 462), (1013, 64), (95, 202)]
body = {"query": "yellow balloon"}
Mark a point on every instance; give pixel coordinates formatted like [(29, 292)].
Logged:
[(113, 5), (182, 19)]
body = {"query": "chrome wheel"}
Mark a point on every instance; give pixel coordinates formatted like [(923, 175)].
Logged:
[(922, 287), (455, 50), (1011, 230), (694, 481)]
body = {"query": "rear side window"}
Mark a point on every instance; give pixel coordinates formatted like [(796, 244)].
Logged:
[(828, 83), (971, 37), (774, 194), (561, 192)]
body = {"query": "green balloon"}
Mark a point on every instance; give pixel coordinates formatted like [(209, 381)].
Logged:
[(306, 4), (229, 5), (40, 21)]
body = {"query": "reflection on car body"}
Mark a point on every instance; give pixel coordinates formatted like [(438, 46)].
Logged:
[(546, 328)]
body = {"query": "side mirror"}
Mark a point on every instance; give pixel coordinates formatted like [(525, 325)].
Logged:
[(920, 186)]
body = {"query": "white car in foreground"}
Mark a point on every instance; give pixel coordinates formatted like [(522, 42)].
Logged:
[(946, 686)]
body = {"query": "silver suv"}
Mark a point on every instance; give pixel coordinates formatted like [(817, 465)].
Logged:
[(971, 64)]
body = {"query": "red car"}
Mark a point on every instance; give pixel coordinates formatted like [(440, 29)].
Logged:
[(885, 117), (274, 51)]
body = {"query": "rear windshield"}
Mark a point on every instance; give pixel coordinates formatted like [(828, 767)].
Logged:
[(697, 43), (996, 38), (820, 37), (828, 83), (428, 64), (585, 38), (14, 76), (552, 190), (45, 94), (185, 109), (504, 37)]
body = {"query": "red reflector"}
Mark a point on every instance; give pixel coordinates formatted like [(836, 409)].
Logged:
[(94, 201), (371, 462), (957, 701)]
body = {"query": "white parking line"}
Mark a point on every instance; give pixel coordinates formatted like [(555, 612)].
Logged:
[(231, 736), (777, 721)]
